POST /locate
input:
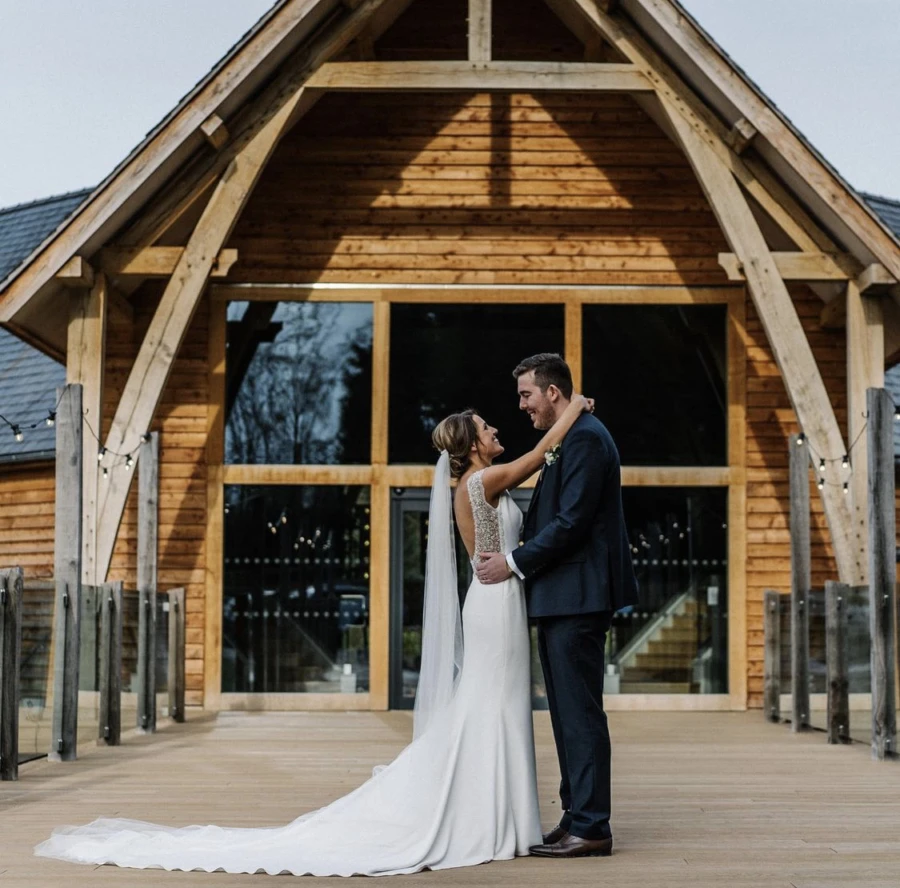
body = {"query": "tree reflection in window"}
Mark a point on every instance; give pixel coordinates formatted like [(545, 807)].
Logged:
[(298, 383)]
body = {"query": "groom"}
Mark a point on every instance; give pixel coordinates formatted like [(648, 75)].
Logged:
[(576, 564)]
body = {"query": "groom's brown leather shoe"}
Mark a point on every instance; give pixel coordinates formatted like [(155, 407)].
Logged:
[(573, 846), (555, 834)]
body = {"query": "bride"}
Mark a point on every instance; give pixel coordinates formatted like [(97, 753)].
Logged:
[(464, 791)]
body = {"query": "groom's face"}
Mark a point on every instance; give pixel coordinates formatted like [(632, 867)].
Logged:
[(537, 404)]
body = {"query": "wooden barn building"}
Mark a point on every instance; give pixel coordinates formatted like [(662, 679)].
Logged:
[(362, 218)]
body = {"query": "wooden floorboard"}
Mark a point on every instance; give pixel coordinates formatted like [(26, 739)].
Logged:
[(701, 799)]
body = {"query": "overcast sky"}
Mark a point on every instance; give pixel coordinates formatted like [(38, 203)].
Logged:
[(82, 81)]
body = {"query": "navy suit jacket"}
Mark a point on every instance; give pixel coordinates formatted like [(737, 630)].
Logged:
[(575, 557)]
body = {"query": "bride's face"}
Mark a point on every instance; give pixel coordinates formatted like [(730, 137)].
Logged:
[(488, 444)]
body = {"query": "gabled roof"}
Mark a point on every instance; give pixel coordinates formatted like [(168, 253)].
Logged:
[(887, 209), (289, 28), (29, 379), (25, 226)]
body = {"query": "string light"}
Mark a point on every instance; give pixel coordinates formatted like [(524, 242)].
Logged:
[(100, 454), (17, 433), (821, 465), (821, 483), (846, 487), (801, 439), (845, 462), (51, 419)]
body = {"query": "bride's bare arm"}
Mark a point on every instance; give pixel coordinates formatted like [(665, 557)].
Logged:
[(506, 476)]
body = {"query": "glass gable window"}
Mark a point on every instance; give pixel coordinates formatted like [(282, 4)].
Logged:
[(445, 358), (659, 376), (296, 589), (298, 385)]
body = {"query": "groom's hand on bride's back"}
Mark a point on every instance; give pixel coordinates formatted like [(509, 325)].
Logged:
[(492, 568)]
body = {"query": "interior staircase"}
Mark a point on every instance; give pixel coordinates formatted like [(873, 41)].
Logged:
[(663, 662)]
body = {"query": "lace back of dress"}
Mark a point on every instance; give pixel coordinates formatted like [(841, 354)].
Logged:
[(488, 537)]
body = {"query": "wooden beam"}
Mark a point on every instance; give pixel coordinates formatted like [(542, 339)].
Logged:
[(752, 105), (875, 275), (156, 262), (196, 181), (467, 76), (865, 370), (784, 331), (480, 30), (801, 583), (791, 267), (77, 272), (173, 315), (215, 131), (85, 359), (759, 183), (741, 135), (160, 151)]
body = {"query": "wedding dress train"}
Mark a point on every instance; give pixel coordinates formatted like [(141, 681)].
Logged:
[(462, 793)]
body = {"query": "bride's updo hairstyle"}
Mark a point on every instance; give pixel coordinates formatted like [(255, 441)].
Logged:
[(456, 434)]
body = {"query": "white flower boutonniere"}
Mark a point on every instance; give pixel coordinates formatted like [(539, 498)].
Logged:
[(552, 455)]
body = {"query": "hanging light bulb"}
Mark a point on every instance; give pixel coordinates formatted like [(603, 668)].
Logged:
[(897, 413), (801, 439), (51, 418), (846, 487), (822, 464), (129, 462), (845, 462), (821, 483), (17, 434), (146, 437), (100, 454), (105, 472)]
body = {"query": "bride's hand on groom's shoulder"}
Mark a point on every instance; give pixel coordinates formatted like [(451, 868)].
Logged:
[(586, 404)]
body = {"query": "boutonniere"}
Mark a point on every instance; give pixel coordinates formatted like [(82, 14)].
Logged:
[(552, 455)]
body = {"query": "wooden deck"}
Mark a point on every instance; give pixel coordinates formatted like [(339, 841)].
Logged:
[(701, 799)]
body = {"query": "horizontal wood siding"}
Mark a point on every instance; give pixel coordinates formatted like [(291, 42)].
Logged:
[(478, 189), (770, 425), (27, 507), (181, 423)]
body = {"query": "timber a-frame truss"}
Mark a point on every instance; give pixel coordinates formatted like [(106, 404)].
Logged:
[(168, 210)]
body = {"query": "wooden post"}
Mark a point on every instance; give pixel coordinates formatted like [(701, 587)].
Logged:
[(148, 531), (479, 30), (88, 638), (176, 654), (882, 570), (67, 569), (800, 583), (837, 682), (772, 623), (10, 648), (110, 595)]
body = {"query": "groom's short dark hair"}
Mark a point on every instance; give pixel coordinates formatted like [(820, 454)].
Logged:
[(549, 369)]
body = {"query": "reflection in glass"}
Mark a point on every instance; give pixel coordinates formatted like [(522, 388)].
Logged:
[(35, 678), (658, 374), (445, 358), (296, 589), (676, 639), (298, 383)]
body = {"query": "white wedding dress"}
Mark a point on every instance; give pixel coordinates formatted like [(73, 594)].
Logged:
[(462, 793)]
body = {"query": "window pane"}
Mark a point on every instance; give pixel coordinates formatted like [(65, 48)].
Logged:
[(658, 374), (296, 589), (298, 383), (676, 639), (445, 358)]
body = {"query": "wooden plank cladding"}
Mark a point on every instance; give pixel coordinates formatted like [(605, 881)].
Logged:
[(477, 188), (27, 507), (181, 420), (771, 424)]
